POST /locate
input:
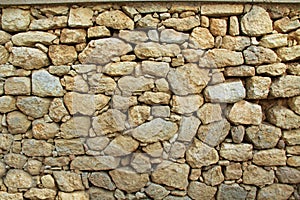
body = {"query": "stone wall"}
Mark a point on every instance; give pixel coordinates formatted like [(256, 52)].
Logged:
[(150, 101)]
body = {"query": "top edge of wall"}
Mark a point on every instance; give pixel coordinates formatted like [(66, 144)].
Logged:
[(35, 2)]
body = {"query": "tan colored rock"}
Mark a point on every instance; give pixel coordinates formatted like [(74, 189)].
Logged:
[(115, 19), (234, 26), (44, 131), (154, 131), (37, 193), (17, 86), (72, 36), (171, 174), (8, 70), (283, 117), (214, 133), (80, 17), (188, 128), (62, 54), (258, 176), (132, 84), (275, 191), (148, 21), (6, 141), (17, 122), (294, 104), (195, 190), (18, 179), (256, 22), (172, 36), (82, 69), (121, 146), (240, 71), (188, 79), (97, 143), (288, 175), (99, 193), (292, 137), (11, 196), (256, 55), (68, 181), (293, 161), (28, 58), (141, 163), (69, 147), (289, 53), (210, 113), (109, 122), (55, 10), (285, 86), (4, 55), (135, 37), (218, 27), (286, 24), (59, 70), (186, 104), (44, 84), (151, 8), (101, 51), (119, 68), (244, 112), (49, 23), (221, 10), (258, 87), (128, 180), (123, 103), (295, 150), (32, 147), (100, 83), (155, 98), (4, 37), (200, 154), (55, 161), (7, 104), (138, 115), (154, 149), (236, 152), (92, 163), (80, 195), (270, 157), (156, 69), (218, 58), (103, 180), (233, 171), (35, 107), (30, 38), (238, 43), (57, 110), (182, 24), (98, 31), (201, 38), (33, 167), (274, 40), (156, 50), (275, 69), (14, 19), (14, 160), (192, 55), (213, 176), (156, 191)]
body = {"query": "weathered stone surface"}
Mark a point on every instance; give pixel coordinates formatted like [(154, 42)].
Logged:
[(132, 84), (128, 180), (121, 146), (92, 163), (123, 103), (228, 92), (30, 38), (35, 107), (213, 176), (218, 27), (120, 68), (182, 24), (234, 191), (234, 26), (57, 110), (4, 37), (292, 137), (7, 104), (103, 180), (288, 175), (6, 141), (148, 21), (34, 167), (138, 115), (28, 58), (200, 154), (171, 174), (293, 161), (55, 10), (37, 193), (154, 149), (263, 136), (69, 147), (109, 122), (295, 150), (97, 143), (214, 133), (18, 179), (258, 176), (195, 190), (238, 43), (14, 19), (68, 181), (4, 55), (186, 104), (188, 128), (11, 196), (270, 157), (210, 113), (274, 40), (236, 152), (32, 147), (98, 193), (172, 36), (155, 98), (100, 83), (80, 195), (275, 69), (17, 122), (275, 191), (49, 23), (201, 38), (289, 53), (57, 161), (156, 50), (218, 58), (221, 10), (258, 87), (115, 19), (286, 24), (62, 54), (283, 117), (98, 31), (256, 55), (43, 131), (154, 131), (156, 69), (156, 191), (256, 22), (59, 70), (80, 17), (237, 133), (14, 160), (192, 55), (17, 86), (101, 51), (233, 171), (71, 36), (141, 163), (294, 104), (188, 79), (244, 112), (135, 37), (76, 127), (44, 84)]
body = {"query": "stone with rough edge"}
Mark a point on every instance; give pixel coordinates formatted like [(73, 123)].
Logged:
[(258, 87), (92, 163), (221, 10), (283, 117), (7, 104), (201, 38), (40, 193), (288, 175), (275, 191), (274, 40), (35, 107), (233, 191), (236, 152), (256, 55), (14, 19), (32, 147), (121, 146), (195, 190), (289, 53), (186, 104), (258, 176), (285, 86), (18, 179), (270, 157), (182, 24), (68, 181), (49, 23), (188, 128), (62, 54), (80, 17), (4, 55), (30, 38), (156, 50), (17, 122), (115, 19), (275, 69)]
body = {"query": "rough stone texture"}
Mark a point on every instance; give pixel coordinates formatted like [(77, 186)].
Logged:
[(213, 176), (236, 152), (4, 55), (18, 179), (256, 55), (186, 104), (195, 190), (285, 86), (75, 127), (183, 24), (156, 191), (49, 23), (35, 107), (132, 84), (275, 69), (14, 19), (270, 157), (257, 176), (286, 24), (278, 191), (92, 163), (115, 19), (7, 104), (62, 54), (156, 50), (274, 40), (120, 69), (201, 38), (30, 38), (32, 147), (258, 87), (156, 69), (188, 128), (210, 113), (78, 195), (289, 53), (283, 117), (37, 193), (17, 86), (17, 122), (294, 104), (80, 17), (221, 10), (121, 146), (238, 43), (43, 130), (288, 175), (11, 196)]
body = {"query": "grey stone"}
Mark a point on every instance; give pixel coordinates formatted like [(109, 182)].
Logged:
[(33, 106), (288, 175), (92, 163), (188, 128), (229, 192), (14, 19), (256, 55), (283, 117)]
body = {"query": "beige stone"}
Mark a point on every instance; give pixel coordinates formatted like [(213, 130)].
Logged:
[(256, 55), (294, 104), (141, 163), (68, 181), (7, 104), (30, 38), (293, 161), (270, 157), (220, 10), (92, 163), (172, 36), (240, 71), (57, 110), (274, 40), (182, 24), (209, 113), (154, 149), (258, 176), (234, 26), (78, 195), (133, 36), (54, 161), (256, 22), (236, 152), (277, 191), (292, 137), (286, 24), (4, 37), (156, 191), (275, 69), (128, 180), (232, 191), (233, 171), (188, 128), (135, 84), (33, 167), (32, 147), (238, 43), (59, 70), (7, 140), (17, 86), (295, 150), (218, 27), (258, 87), (155, 98), (99, 193), (43, 131), (55, 10), (148, 21), (123, 103), (186, 104), (11, 196), (16, 161), (62, 54), (98, 31), (289, 53), (200, 154), (195, 190), (18, 179), (80, 17), (72, 36), (171, 174), (283, 117), (213, 176), (49, 23), (201, 38), (14, 19), (156, 50), (35, 107), (97, 143), (40, 193), (156, 69), (69, 147), (100, 83), (121, 146), (17, 122), (285, 86), (288, 175), (4, 55), (138, 115), (115, 19), (119, 68), (192, 55)]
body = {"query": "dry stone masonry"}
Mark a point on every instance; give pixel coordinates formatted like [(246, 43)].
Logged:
[(163, 101)]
